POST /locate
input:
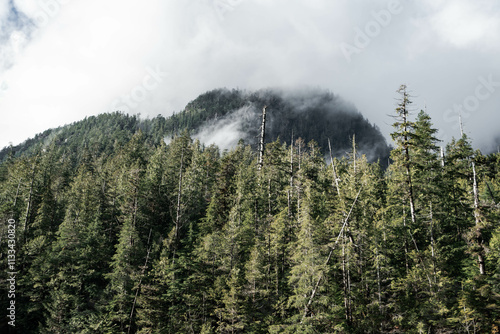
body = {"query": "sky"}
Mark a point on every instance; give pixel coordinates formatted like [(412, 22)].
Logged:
[(64, 60)]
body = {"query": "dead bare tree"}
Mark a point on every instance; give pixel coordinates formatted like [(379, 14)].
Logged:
[(262, 138)]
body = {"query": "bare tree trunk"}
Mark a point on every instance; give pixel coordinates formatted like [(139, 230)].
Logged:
[(315, 289), (461, 125), (354, 153), (479, 237), (403, 109), (269, 196), (409, 182), (262, 138), (335, 178)]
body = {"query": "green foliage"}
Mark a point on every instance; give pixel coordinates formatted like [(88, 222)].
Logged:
[(118, 232)]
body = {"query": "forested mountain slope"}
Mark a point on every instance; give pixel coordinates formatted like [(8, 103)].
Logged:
[(137, 236), (311, 114), (224, 117)]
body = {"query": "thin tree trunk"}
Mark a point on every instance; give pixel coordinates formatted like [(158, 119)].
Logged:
[(269, 196), (262, 138), (315, 289), (409, 183), (139, 286), (479, 238), (335, 178), (354, 153)]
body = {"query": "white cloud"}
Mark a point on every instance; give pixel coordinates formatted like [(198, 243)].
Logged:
[(226, 132), (465, 24), (87, 55), (76, 65), (31, 8)]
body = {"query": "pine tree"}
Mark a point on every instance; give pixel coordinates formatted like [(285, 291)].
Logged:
[(312, 301), (77, 268), (413, 198), (175, 275), (132, 248), (401, 200), (231, 316), (363, 259), (49, 216)]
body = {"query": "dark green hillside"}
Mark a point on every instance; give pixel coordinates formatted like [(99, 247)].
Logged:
[(99, 133), (320, 115), (310, 114), (206, 107)]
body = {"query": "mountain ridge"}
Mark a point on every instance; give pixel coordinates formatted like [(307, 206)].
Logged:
[(223, 117)]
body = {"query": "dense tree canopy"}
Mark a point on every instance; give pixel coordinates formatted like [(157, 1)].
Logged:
[(131, 235)]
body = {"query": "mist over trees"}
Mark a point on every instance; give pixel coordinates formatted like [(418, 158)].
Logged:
[(119, 232), (309, 113), (223, 117)]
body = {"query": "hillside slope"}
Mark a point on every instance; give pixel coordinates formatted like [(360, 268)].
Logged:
[(223, 117)]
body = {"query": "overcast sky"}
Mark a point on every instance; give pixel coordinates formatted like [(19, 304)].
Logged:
[(62, 60)]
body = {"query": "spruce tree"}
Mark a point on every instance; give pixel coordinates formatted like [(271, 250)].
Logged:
[(78, 260), (131, 248)]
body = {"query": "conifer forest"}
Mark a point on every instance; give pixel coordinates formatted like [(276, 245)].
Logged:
[(120, 232)]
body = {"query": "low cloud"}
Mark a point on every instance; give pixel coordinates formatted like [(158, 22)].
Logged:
[(74, 59), (227, 131)]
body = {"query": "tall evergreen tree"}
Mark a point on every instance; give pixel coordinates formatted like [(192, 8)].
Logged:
[(78, 260), (131, 249)]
